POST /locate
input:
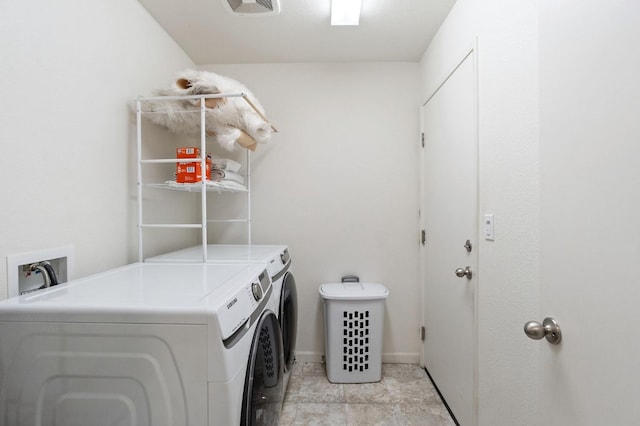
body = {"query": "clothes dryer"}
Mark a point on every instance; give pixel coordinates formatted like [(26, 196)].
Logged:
[(278, 262), (146, 344)]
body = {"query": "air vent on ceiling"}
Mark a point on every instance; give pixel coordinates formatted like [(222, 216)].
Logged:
[(252, 7)]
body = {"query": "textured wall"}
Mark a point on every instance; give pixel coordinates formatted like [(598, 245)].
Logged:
[(69, 69), (508, 272), (339, 184)]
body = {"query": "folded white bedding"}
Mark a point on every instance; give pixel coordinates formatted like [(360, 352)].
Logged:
[(229, 184), (222, 185), (225, 175), (226, 164)]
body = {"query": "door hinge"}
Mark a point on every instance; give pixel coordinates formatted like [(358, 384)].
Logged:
[(423, 237), (423, 333), (422, 139)]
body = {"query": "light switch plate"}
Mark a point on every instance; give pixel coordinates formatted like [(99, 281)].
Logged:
[(488, 227)]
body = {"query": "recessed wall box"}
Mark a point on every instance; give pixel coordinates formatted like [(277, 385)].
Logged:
[(22, 278)]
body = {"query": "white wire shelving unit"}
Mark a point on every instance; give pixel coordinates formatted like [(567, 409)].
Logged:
[(203, 187)]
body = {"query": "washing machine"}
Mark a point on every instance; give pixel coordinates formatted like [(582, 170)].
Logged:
[(278, 260), (148, 344)]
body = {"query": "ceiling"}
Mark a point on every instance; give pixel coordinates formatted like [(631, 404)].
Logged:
[(389, 30)]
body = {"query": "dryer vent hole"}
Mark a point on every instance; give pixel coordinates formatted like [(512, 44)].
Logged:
[(355, 342)]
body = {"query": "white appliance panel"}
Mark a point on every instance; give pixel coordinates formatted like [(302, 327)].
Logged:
[(157, 293), (147, 374), (139, 345)]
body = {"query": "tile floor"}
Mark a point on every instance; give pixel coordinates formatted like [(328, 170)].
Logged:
[(404, 396)]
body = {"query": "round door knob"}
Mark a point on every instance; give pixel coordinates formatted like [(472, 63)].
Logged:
[(466, 272), (534, 330), (549, 329)]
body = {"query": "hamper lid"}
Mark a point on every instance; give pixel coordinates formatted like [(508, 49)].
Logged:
[(353, 291)]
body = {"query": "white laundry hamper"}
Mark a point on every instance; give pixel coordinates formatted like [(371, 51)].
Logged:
[(354, 321)]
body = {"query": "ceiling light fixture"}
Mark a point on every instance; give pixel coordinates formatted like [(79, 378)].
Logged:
[(345, 12)]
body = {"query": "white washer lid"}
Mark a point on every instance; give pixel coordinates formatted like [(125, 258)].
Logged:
[(165, 293), (353, 291)]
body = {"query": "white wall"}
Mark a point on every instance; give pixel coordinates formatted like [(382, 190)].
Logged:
[(69, 68), (339, 183), (509, 188)]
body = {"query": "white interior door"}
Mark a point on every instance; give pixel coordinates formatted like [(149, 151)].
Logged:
[(450, 218), (590, 211)]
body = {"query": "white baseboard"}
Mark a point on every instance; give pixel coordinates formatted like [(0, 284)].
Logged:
[(309, 356), (387, 358), (401, 358)]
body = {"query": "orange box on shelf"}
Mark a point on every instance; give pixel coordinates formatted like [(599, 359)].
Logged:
[(187, 152), (192, 171)]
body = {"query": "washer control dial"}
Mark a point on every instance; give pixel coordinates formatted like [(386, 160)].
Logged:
[(257, 291)]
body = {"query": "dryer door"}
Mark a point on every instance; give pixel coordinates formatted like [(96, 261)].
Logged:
[(289, 318), (264, 383)]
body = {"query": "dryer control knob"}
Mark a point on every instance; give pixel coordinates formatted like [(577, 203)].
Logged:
[(257, 291)]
